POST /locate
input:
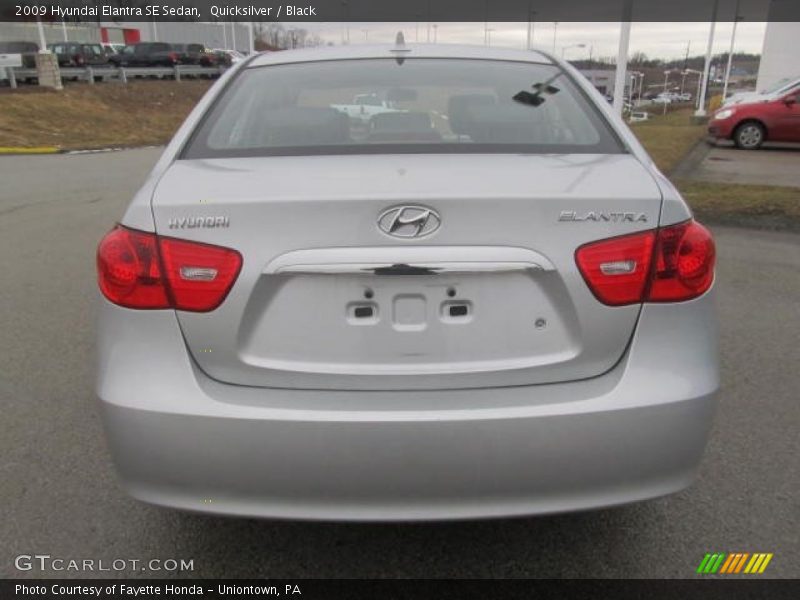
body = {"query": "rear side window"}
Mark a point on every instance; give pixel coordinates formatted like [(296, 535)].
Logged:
[(412, 106)]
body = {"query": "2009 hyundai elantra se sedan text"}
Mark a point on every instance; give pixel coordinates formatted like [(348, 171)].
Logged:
[(405, 282)]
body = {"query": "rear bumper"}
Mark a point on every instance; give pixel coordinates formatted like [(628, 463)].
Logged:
[(182, 440)]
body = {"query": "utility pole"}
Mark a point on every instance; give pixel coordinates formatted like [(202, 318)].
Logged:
[(686, 59)]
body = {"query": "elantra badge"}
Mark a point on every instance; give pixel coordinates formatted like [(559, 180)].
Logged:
[(603, 217)]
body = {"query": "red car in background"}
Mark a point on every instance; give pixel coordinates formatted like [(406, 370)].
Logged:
[(766, 119)]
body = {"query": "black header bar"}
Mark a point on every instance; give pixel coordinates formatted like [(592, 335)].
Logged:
[(399, 10)]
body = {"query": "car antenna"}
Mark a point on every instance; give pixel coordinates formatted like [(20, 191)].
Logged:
[(400, 48)]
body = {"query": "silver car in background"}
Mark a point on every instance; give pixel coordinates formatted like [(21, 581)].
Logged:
[(483, 300)]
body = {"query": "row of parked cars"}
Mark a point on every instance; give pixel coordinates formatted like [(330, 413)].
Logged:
[(163, 54), (142, 54)]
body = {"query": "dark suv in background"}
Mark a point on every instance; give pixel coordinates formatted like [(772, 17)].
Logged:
[(147, 54), (73, 54)]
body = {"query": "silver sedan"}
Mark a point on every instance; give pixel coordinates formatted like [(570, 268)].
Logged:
[(405, 282)]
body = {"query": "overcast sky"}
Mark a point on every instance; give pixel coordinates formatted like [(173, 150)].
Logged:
[(657, 40)]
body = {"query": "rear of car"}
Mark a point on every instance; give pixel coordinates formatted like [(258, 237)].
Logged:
[(486, 301)]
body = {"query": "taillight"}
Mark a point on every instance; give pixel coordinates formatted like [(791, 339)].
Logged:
[(141, 270), (617, 269), (173, 56), (666, 265), (684, 263)]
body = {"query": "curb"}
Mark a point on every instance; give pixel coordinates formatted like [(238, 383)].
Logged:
[(6, 150), (691, 160)]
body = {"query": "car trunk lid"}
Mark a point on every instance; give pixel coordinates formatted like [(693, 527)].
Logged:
[(329, 297)]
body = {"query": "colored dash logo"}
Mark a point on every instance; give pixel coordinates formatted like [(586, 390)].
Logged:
[(735, 562)]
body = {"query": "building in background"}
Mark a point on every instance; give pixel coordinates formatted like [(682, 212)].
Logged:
[(780, 58), (602, 79), (213, 35)]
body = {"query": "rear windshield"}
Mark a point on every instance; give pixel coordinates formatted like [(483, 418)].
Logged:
[(408, 106)]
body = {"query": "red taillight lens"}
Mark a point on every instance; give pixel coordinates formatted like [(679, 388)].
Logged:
[(684, 263), (141, 270), (616, 269), (173, 56), (199, 275), (620, 270), (129, 270)]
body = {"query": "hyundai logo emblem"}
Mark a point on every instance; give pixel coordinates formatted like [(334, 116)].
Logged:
[(409, 221)]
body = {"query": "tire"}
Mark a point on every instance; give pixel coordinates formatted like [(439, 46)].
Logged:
[(750, 135)]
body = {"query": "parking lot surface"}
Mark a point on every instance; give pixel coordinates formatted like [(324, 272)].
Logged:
[(60, 496), (775, 164)]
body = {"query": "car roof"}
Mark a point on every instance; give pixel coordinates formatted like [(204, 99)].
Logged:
[(356, 51)]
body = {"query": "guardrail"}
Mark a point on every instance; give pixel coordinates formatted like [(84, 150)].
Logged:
[(122, 74)]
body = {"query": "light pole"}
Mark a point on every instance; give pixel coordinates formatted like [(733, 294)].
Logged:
[(64, 30), (531, 15), (636, 77), (622, 58), (555, 34), (666, 82), (346, 29), (701, 108), (736, 19), (697, 91)]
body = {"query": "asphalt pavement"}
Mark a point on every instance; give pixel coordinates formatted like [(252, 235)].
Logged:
[(60, 496), (775, 164)]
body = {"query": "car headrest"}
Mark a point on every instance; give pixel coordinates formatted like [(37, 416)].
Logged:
[(300, 126)]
